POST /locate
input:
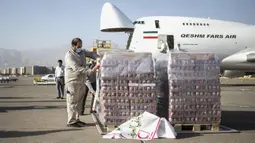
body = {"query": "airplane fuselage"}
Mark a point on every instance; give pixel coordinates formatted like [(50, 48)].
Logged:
[(232, 42), (193, 35)]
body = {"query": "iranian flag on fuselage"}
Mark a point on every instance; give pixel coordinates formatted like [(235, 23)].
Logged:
[(150, 34)]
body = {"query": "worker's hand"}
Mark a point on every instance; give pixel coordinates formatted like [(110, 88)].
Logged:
[(95, 68), (99, 56), (98, 66)]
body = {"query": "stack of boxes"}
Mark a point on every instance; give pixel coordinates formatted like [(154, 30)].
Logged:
[(194, 88), (127, 86), (162, 90)]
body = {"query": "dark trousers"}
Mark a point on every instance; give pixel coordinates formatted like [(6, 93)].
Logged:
[(60, 84), (85, 97)]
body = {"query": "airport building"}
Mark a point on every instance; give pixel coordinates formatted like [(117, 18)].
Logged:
[(22, 71), (28, 70), (14, 71), (7, 71)]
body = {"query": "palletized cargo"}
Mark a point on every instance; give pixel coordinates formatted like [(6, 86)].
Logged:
[(127, 86), (194, 88), (162, 90)]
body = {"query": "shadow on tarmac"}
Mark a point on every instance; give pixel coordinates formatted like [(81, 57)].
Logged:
[(187, 135), (59, 100), (239, 120), (15, 98), (6, 109), (13, 134), (231, 85)]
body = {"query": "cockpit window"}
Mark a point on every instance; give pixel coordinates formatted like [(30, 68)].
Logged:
[(138, 22), (157, 24)]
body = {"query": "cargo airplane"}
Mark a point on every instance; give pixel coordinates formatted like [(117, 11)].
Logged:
[(232, 42)]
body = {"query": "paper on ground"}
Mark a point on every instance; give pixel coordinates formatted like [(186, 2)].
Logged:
[(144, 127)]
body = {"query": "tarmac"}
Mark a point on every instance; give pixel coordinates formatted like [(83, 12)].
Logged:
[(31, 114)]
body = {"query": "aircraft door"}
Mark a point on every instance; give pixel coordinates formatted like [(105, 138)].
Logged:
[(170, 42), (165, 43)]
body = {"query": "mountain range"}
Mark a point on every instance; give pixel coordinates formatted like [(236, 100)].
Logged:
[(42, 57)]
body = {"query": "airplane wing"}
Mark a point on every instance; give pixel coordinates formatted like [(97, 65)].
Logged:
[(243, 60)]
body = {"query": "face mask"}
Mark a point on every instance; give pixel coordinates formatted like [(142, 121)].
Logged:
[(78, 50)]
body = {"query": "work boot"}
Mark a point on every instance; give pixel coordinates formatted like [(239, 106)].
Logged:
[(92, 111), (82, 124), (74, 125)]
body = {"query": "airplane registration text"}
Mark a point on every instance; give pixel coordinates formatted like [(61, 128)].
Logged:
[(220, 36)]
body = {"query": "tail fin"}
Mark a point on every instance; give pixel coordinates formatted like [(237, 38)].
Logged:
[(114, 20)]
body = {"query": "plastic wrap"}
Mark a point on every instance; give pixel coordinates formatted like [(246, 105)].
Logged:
[(161, 65), (194, 88), (102, 51), (162, 87), (127, 86)]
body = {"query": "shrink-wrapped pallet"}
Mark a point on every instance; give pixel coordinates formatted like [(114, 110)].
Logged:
[(162, 90), (194, 88), (127, 86), (161, 64)]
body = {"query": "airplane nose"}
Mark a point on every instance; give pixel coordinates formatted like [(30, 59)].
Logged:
[(236, 58), (251, 57)]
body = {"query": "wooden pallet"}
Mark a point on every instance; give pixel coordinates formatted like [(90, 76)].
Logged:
[(109, 128), (179, 128), (197, 127), (102, 129)]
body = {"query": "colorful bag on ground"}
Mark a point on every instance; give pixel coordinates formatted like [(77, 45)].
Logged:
[(144, 127)]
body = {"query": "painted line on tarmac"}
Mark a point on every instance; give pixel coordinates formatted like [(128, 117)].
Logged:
[(235, 105), (245, 106), (7, 86), (245, 89), (240, 78)]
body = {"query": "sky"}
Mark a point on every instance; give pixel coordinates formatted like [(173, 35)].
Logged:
[(45, 24)]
